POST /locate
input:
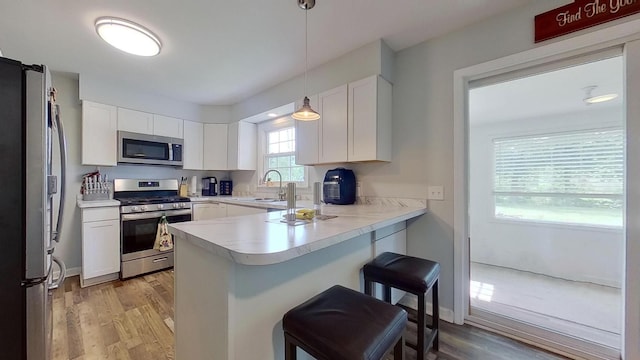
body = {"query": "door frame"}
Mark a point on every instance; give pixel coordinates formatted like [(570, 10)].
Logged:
[(625, 34)]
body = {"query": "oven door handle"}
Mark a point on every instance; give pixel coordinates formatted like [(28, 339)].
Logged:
[(155, 214)]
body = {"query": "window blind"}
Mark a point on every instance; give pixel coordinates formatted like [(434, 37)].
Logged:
[(586, 162)]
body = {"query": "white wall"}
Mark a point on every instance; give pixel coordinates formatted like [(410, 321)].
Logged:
[(69, 249), (578, 253), (371, 59), (105, 91)]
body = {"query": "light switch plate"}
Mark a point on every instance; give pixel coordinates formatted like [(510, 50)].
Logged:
[(435, 192)]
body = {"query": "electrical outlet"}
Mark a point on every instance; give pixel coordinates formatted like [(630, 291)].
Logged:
[(358, 189), (435, 192)]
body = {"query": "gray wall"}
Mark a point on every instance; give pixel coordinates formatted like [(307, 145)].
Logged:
[(424, 76), (70, 247), (423, 114)]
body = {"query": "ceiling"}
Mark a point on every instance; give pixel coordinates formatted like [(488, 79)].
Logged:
[(553, 92), (220, 52)]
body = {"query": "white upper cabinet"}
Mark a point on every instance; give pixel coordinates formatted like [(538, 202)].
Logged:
[(307, 136), (135, 121), (332, 106), (99, 134), (242, 146), (369, 120), (168, 126), (215, 147), (193, 145), (354, 125)]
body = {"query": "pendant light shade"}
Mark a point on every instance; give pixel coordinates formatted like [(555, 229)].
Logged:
[(306, 113)]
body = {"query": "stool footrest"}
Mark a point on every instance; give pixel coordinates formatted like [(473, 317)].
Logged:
[(428, 340), (412, 315), (416, 276)]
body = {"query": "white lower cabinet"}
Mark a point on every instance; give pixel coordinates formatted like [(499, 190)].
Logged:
[(237, 210), (392, 238), (100, 245), (209, 211)]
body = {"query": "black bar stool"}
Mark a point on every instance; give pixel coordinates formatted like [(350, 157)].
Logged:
[(416, 276), (343, 324)]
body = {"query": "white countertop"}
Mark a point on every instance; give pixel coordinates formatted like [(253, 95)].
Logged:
[(262, 239), (97, 203), (249, 201)]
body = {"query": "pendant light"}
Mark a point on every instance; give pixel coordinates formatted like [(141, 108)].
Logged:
[(306, 113)]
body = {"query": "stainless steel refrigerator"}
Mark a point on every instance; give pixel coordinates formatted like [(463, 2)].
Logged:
[(29, 126)]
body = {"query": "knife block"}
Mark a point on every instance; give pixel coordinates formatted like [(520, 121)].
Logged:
[(182, 192)]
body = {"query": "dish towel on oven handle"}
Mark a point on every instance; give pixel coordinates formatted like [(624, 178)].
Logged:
[(164, 240)]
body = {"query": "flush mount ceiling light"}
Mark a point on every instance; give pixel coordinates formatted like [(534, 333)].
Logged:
[(591, 99), (128, 36), (306, 113)]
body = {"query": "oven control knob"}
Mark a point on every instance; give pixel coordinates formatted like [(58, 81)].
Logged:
[(160, 206), (135, 208), (184, 205), (176, 205), (143, 208)]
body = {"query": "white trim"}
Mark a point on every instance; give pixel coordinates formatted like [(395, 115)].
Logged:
[(571, 347), (264, 128), (631, 290), (597, 40), (70, 272), (446, 314)]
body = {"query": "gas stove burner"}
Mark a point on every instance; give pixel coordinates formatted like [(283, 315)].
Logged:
[(145, 195), (152, 200)]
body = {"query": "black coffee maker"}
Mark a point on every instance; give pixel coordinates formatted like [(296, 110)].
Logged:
[(209, 186)]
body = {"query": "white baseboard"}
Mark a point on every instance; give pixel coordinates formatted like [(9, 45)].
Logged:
[(74, 271), (412, 302)]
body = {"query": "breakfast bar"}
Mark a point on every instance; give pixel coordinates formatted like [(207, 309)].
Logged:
[(235, 277)]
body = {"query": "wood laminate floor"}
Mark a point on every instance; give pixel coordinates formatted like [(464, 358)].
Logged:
[(133, 320)]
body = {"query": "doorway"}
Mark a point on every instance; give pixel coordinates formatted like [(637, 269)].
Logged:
[(546, 199)]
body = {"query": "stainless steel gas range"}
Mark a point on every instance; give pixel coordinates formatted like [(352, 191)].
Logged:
[(142, 205)]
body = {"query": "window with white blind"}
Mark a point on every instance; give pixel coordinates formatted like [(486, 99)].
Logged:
[(569, 178), (278, 152)]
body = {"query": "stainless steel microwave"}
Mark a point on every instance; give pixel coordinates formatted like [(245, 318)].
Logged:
[(134, 148)]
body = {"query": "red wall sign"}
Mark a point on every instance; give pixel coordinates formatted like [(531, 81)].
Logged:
[(581, 14)]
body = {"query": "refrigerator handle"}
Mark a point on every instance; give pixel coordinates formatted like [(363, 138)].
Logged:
[(63, 274), (63, 171)]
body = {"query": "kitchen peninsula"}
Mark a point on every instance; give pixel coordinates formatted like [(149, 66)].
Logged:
[(235, 277)]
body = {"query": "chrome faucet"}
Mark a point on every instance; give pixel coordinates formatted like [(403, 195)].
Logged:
[(281, 192)]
